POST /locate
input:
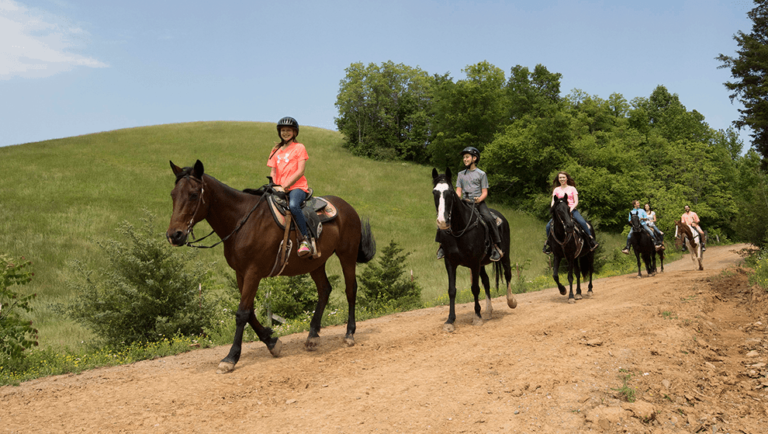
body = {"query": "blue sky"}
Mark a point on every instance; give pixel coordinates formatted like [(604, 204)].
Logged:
[(72, 67)]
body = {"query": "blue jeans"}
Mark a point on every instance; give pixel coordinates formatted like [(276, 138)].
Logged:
[(295, 198), (576, 216), (647, 228)]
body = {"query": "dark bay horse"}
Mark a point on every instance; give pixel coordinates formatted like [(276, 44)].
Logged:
[(463, 239), (684, 234), (569, 245), (643, 245), (251, 242)]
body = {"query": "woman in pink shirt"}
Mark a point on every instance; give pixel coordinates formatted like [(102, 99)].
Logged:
[(563, 184), (692, 219), (287, 161)]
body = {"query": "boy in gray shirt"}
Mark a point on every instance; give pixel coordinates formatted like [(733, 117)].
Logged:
[(472, 185)]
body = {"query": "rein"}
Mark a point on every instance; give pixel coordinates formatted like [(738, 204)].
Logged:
[(191, 223), (469, 223)]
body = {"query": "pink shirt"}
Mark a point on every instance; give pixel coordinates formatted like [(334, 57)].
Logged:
[(689, 217), (572, 193), (286, 163)]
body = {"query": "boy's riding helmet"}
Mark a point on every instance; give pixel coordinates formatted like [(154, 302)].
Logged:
[(288, 122), (471, 150)]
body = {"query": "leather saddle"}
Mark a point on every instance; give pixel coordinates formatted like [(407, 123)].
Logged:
[(316, 211)]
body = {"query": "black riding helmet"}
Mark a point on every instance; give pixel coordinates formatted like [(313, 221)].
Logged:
[(471, 150), (288, 122)]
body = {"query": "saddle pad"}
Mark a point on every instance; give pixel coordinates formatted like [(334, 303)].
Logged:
[(325, 210)]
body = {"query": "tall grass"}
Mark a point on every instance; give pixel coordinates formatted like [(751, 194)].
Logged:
[(59, 196)]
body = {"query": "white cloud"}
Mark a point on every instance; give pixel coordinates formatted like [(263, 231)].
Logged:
[(32, 46)]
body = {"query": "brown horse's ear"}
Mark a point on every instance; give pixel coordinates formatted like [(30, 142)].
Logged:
[(176, 169), (434, 173), (198, 169)]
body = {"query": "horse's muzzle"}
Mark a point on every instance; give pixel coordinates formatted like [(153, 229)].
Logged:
[(177, 238), (443, 226)]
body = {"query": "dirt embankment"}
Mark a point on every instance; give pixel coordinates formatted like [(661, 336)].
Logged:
[(690, 346)]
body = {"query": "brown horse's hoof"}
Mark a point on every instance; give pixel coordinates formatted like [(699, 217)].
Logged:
[(477, 321), (350, 341), (511, 301), (225, 368), (311, 344), (571, 301), (449, 328), (275, 351)]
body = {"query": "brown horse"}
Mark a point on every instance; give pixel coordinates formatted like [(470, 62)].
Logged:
[(693, 241), (251, 242)]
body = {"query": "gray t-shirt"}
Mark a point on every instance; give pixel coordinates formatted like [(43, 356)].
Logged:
[(472, 183)]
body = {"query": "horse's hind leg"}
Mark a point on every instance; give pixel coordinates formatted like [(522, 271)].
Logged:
[(505, 265), (578, 278), (487, 285), (348, 264), (323, 291)]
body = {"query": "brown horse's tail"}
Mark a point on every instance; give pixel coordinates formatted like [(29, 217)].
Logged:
[(367, 249)]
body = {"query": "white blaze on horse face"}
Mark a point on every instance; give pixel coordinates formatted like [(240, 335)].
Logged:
[(441, 188)]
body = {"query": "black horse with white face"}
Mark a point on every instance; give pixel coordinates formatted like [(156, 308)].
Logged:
[(567, 243), (461, 233), (643, 245)]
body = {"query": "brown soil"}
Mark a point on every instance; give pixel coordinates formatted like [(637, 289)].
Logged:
[(692, 346)]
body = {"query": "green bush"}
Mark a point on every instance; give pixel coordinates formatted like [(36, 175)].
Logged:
[(150, 291), (16, 334), (383, 283), (290, 297)]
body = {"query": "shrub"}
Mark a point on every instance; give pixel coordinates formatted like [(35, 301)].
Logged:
[(383, 282), (150, 290), (16, 334), (290, 297)]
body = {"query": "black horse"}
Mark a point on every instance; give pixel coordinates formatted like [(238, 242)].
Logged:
[(569, 244), (463, 238), (642, 244)]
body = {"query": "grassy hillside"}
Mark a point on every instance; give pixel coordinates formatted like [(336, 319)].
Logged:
[(58, 197)]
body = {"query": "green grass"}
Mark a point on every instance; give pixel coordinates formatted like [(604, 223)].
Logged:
[(60, 196)]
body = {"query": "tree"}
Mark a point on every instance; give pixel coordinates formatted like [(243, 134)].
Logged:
[(750, 71)]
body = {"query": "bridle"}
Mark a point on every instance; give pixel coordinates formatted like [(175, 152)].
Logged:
[(470, 222), (568, 233), (191, 224)]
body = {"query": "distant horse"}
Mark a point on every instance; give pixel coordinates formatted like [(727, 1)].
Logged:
[(684, 234), (643, 245), (463, 238), (252, 242), (571, 246)]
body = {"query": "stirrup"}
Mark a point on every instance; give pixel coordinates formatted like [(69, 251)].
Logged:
[(304, 249), (495, 255), (547, 250), (440, 253)]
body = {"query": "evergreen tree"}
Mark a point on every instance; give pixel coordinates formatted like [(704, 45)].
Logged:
[(750, 71)]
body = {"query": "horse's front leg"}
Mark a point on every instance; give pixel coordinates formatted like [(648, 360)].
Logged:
[(637, 256), (577, 270), (323, 291), (245, 315), (571, 298), (451, 269), (487, 285), (556, 274), (478, 319)]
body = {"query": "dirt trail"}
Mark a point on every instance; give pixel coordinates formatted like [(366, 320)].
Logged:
[(691, 345)]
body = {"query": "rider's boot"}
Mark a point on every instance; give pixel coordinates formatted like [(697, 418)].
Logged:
[(547, 249), (305, 248), (495, 253), (592, 243), (440, 253), (625, 250)]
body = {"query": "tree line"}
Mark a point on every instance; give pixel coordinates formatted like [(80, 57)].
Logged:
[(649, 148)]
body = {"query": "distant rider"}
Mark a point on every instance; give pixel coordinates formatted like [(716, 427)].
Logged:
[(640, 213), (563, 184), (692, 219), (652, 222)]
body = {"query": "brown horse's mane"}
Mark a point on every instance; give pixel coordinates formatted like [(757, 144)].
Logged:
[(187, 173)]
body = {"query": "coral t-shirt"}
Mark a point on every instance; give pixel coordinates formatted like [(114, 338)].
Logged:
[(286, 163), (689, 217)]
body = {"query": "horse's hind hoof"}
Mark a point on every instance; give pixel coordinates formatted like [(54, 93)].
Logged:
[(578, 297), (350, 341), (225, 368), (449, 328), (590, 293), (311, 344), (571, 301), (275, 350), (477, 321)]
